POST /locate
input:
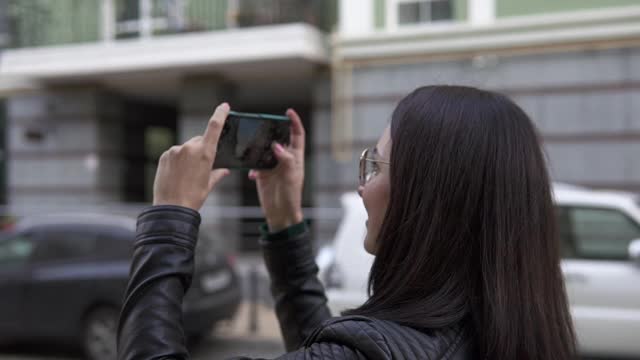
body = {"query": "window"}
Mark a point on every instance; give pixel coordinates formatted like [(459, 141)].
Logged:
[(16, 250), (425, 11), (115, 244), (60, 244), (602, 233), (147, 17), (567, 246)]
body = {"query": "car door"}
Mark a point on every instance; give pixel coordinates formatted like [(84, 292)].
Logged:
[(114, 249), (15, 251), (602, 283), (63, 271)]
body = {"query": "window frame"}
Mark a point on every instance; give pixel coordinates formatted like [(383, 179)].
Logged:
[(147, 24), (42, 239), (123, 239), (393, 14)]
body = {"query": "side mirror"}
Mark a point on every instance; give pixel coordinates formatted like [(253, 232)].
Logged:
[(634, 251)]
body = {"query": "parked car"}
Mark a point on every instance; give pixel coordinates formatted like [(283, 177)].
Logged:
[(62, 279), (599, 233)]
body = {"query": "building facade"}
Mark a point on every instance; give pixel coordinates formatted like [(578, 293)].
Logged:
[(98, 88)]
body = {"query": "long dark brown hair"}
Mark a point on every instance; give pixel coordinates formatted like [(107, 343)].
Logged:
[(469, 235)]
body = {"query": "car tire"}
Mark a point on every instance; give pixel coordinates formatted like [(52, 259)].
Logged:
[(100, 333), (195, 340)]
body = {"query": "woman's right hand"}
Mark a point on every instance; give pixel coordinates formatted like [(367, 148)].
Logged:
[(280, 188)]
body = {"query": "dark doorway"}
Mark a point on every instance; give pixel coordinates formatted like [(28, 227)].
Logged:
[(149, 130)]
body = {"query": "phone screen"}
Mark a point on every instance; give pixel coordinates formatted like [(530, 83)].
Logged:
[(245, 141)]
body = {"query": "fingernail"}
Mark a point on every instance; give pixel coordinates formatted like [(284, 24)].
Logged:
[(278, 147)]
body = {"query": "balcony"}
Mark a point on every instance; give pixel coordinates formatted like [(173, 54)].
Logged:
[(37, 23), (145, 43)]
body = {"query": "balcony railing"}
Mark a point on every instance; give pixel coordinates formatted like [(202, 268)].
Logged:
[(45, 22)]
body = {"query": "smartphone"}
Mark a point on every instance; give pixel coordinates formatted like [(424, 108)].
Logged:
[(246, 138)]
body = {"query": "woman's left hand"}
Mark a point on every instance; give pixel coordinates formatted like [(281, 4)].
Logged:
[(184, 175)]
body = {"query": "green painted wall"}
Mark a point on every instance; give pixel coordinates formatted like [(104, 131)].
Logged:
[(460, 10), (506, 8), (329, 15), (380, 12), (207, 14), (51, 22)]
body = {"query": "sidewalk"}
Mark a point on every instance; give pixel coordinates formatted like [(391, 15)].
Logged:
[(239, 326)]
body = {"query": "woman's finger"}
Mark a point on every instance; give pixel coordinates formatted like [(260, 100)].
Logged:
[(214, 128), (297, 130), (194, 139)]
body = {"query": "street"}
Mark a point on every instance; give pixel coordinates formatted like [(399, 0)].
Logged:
[(212, 348), (228, 339)]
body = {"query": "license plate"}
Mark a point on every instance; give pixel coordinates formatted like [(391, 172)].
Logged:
[(215, 281)]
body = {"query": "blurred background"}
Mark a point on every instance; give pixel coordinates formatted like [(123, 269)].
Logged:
[(93, 91)]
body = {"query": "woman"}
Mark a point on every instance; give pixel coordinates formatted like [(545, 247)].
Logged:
[(460, 220)]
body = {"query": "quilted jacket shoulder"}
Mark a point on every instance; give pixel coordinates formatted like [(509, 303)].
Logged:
[(379, 339)]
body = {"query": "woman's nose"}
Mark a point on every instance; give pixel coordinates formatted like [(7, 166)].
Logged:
[(360, 189)]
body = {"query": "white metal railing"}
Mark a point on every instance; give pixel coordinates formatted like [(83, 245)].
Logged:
[(49, 23), (146, 23), (132, 209), (244, 221)]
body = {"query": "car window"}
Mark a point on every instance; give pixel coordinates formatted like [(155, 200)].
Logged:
[(59, 244), (115, 244), (16, 250), (567, 246), (602, 233)]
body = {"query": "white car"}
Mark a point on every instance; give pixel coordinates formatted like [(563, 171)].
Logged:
[(600, 235)]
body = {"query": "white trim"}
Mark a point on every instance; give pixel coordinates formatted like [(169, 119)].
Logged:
[(182, 51), (481, 12), (356, 17), (391, 12), (108, 20), (146, 18), (619, 24)]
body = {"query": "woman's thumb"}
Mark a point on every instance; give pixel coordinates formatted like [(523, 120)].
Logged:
[(216, 175)]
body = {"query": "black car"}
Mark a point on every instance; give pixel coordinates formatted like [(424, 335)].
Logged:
[(62, 280)]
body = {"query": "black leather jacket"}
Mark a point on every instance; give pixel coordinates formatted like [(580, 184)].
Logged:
[(163, 263)]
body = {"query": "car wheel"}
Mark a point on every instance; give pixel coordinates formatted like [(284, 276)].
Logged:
[(194, 340), (100, 334)]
